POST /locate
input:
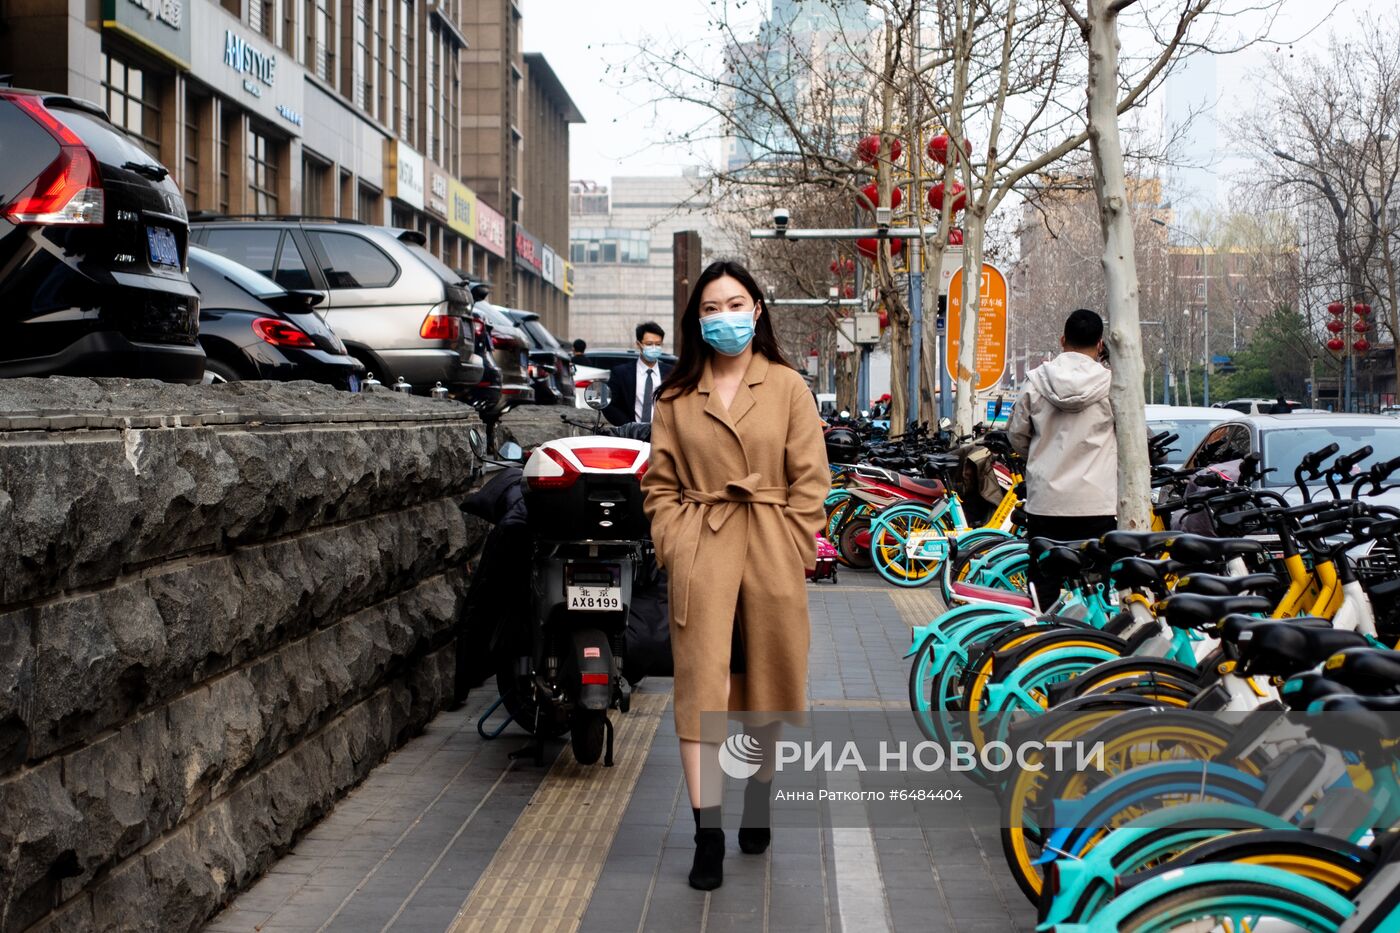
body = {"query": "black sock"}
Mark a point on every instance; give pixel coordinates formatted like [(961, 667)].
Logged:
[(707, 871), (754, 831)]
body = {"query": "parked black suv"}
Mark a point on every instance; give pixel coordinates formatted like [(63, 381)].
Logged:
[(93, 240), (551, 365)]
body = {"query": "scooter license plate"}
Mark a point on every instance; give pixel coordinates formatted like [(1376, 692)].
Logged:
[(594, 598)]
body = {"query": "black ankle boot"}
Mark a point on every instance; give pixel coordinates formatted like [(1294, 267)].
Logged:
[(754, 833), (707, 872)]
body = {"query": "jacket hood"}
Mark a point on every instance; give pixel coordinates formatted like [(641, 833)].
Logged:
[(1072, 381)]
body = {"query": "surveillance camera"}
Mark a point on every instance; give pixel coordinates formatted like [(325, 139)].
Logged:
[(781, 217)]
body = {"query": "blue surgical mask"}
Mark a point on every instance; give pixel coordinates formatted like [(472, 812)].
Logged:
[(651, 354), (729, 332)]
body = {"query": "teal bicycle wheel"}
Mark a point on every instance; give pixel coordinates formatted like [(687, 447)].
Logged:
[(890, 532)]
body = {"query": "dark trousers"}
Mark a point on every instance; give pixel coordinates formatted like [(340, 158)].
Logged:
[(1062, 528)]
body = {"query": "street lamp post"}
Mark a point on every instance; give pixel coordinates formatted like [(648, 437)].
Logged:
[(1205, 306)]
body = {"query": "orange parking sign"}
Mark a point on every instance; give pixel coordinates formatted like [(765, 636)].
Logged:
[(991, 327)]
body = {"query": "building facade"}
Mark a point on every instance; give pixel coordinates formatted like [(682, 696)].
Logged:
[(620, 247), (356, 109)]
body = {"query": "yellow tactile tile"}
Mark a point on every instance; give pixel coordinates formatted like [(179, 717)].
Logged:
[(918, 607), (542, 876)]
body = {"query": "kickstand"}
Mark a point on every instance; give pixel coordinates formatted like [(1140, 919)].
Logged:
[(608, 734)]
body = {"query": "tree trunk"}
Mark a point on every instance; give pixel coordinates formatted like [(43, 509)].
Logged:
[(966, 392), (1120, 268)]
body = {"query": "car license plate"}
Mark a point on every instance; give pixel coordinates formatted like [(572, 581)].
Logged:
[(164, 251), (594, 598)]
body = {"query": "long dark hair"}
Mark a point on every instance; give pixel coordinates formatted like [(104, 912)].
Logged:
[(685, 377)]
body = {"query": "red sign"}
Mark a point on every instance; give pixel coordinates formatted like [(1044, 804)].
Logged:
[(528, 251), (490, 229)]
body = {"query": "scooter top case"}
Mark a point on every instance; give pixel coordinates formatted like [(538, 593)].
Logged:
[(587, 489)]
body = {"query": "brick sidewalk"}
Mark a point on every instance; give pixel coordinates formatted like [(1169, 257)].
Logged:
[(450, 835)]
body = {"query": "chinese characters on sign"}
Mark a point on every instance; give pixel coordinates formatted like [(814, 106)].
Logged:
[(991, 326)]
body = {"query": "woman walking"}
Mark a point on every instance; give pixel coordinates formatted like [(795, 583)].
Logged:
[(734, 491)]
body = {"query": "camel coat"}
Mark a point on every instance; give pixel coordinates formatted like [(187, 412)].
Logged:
[(735, 501)]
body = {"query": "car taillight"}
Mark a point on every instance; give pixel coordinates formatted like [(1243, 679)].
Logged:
[(533, 372), (606, 458), (563, 479), (582, 383), (282, 334), (478, 327), (500, 340), (439, 326), (69, 190)]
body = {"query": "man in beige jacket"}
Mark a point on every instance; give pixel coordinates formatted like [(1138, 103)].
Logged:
[(1063, 425)]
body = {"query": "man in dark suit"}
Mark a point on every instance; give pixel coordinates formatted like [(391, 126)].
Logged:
[(633, 384)]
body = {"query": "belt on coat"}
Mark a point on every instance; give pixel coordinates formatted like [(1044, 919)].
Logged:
[(718, 507)]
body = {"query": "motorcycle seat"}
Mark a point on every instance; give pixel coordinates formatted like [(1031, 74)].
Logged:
[(923, 488), (987, 594), (1209, 584), (1282, 649), (943, 462), (1366, 670), (1136, 543), (1189, 611)]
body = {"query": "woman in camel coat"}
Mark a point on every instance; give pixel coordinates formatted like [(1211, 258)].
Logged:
[(734, 491)]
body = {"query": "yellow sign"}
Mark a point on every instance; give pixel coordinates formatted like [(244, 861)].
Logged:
[(991, 326), (461, 208), (568, 277)]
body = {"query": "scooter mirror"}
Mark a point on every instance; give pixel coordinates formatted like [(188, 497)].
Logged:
[(510, 450), (597, 395), (478, 444), (945, 423)]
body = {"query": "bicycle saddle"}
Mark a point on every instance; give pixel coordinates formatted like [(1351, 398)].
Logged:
[(1282, 648), (1190, 611), (1039, 546), (1366, 670), (1301, 690), (1059, 562), (1139, 571), (1359, 723), (1233, 627), (1197, 549), (1209, 584), (1136, 543)]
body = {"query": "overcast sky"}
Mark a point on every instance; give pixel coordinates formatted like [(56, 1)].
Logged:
[(623, 128)]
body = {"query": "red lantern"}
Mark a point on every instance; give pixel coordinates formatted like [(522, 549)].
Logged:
[(869, 247), (869, 197), (884, 319), (1336, 307), (1361, 308), (1335, 326), (849, 291), (868, 150), (938, 148), (935, 197), (1359, 326), (1335, 345), (835, 267), (850, 265), (955, 236), (1362, 345)]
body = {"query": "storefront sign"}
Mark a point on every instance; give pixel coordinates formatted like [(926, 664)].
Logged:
[(547, 266), (404, 174), (490, 229), (244, 59), (567, 287), (437, 192), (461, 214), (529, 252), (288, 114), (157, 25)]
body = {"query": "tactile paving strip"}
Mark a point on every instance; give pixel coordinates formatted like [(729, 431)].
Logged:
[(543, 874), (919, 606)]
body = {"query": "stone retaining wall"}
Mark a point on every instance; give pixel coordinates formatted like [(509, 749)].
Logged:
[(220, 607)]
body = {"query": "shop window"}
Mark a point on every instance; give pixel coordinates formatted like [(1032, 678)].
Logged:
[(320, 39), (132, 97), (227, 122), (262, 172), (351, 261), (368, 205), (313, 186)]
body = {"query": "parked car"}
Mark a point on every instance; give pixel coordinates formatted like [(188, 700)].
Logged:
[(510, 353), (1257, 406), (400, 311), (1282, 440), (1189, 423), (93, 240), (252, 328), (608, 357), (551, 363), (584, 376)]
